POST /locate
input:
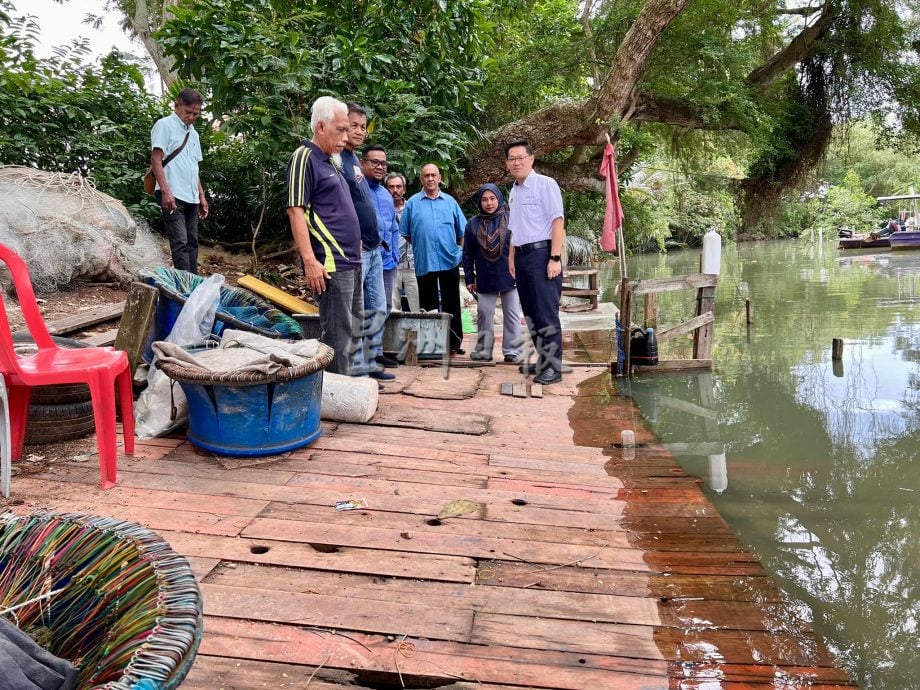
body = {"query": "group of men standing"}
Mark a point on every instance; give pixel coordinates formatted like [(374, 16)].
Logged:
[(361, 242)]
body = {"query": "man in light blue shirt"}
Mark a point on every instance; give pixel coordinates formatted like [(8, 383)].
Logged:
[(178, 190), (537, 225), (433, 222)]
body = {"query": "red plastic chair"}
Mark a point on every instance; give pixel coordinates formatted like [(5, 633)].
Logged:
[(98, 367)]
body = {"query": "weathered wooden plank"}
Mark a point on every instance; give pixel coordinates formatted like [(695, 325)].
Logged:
[(676, 365), (123, 495), (100, 339), (332, 535), (343, 559), (212, 672), (412, 523), (367, 444), (430, 659), (338, 612), (634, 641), (702, 340), (684, 282), (134, 327), (686, 327), (534, 602), (456, 422), (77, 322)]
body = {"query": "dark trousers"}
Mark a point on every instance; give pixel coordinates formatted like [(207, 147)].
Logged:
[(447, 283), (181, 227), (341, 313), (540, 304)]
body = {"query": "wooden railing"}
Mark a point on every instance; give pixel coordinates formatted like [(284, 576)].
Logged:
[(700, 325)]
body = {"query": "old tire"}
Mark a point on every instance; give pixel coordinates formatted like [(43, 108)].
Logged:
[(57, 394), (52, 423)]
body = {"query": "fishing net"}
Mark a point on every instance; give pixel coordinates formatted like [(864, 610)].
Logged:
[(109, 596), (238, 308), (67, 230)]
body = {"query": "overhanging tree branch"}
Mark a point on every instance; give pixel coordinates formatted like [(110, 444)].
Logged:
[(571, 123), (796, 51), (677, 112)]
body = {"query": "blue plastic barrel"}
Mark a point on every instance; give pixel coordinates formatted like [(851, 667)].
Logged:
[(254, 420)]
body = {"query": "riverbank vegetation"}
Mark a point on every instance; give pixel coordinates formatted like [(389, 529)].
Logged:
[(757, 119)]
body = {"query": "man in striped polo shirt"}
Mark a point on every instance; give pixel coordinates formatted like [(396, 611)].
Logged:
[(326, 232)]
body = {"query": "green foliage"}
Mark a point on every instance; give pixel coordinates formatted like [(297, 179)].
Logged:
[(415, 67), (62, 114), (844, 204), (697, 210), (884, 170)]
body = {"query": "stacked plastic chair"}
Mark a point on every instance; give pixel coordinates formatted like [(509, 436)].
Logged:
[(109, 596), (101, 368)]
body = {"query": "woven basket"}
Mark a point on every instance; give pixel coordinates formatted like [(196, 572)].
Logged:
[(186, 374), (107, 595)]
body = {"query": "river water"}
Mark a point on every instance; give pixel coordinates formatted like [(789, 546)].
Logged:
[(813, 463)]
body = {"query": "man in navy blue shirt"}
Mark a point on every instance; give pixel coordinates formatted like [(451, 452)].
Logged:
[(369, 358)]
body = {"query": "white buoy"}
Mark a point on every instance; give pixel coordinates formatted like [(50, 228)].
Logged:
[(718, 473), (712, 253), (348, 398)]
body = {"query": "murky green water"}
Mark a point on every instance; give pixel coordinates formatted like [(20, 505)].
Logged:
[(814, 465)]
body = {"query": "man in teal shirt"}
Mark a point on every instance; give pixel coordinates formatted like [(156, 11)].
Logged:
[(433, 222)]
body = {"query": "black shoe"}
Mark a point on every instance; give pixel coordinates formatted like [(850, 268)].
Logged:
[(457, 351), (382, 375), (547, 376), (385, 361), (527, 369), (380, 387), (512, 359)]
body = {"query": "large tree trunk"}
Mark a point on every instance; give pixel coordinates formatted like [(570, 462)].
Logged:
[(143, 28), (574, 123)]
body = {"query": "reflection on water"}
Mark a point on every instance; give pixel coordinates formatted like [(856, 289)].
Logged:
[(812, 462)]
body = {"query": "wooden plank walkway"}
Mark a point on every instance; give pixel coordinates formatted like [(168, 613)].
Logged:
[(580, 564)]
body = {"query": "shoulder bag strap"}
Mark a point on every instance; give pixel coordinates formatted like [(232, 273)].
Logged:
[(178, 150)]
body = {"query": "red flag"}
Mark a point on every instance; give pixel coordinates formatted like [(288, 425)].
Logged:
[(613, 217)]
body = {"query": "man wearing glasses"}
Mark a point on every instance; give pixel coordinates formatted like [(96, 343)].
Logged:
[(374, 166), (375, 314), (537, 226)]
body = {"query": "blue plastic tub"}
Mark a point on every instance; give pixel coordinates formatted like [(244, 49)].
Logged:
[(255, 419)]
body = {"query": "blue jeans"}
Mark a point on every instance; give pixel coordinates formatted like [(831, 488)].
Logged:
[(389, 282), (340, 308), (370, 335)]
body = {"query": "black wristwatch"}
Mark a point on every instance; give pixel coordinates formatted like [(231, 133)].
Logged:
[(556, 257)]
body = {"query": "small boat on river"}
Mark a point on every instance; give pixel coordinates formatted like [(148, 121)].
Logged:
[(899, 233), (866, 240), (909, 239)]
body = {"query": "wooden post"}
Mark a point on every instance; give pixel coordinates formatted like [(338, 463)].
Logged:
[(135, 321), (750, 311), (651, 310), (625, 308), (411, 359), (702, 339), (837, 348)]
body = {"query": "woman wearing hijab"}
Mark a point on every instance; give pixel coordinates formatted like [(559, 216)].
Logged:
[(485, 267)]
